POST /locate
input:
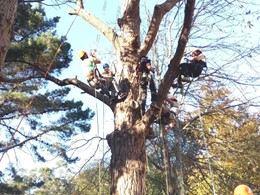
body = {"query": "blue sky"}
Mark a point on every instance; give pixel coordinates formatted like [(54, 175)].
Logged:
[(80, 36), (84, 36)]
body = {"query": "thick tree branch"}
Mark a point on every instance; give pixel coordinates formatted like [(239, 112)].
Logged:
[(159, 12), (172, 71), (3, 78), (183, 40), (87, 89), (131, 16), (107, 31)]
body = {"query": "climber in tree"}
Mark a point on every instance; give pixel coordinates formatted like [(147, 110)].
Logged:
[(168, 114), (144, 69), (192, 68), (89, 68), (112, 84)]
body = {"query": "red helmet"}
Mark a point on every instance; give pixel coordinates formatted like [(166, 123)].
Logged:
[(173, 98), (196, 52), (243, 190)]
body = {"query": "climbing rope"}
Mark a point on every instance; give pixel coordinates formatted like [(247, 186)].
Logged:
[(183, 94), (100, 164), (165, 159), (28, 107), (204, 140)]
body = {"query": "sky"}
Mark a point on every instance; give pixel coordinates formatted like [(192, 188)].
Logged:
[(84, 36), (81, 35)]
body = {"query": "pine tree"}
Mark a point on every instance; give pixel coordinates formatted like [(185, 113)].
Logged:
[(34, 116)]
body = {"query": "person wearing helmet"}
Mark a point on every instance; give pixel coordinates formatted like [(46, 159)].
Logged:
[(89, 68), (111, 82), (191, 69), (174, 105), (169, 112), (107, 72), (89, 65), (144, 69), (243, 190)]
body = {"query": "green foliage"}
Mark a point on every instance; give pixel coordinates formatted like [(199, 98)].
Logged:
[(35, 44), (50, 119), (232, 138), (94, 180), (155, 182), (47, 182)]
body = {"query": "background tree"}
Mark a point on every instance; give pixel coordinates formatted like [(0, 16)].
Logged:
[(127, 142), (228, 132), (24, 107), (7, 11)]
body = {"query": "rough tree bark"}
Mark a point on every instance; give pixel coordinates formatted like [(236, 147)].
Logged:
[(7, 16), (127, 142)]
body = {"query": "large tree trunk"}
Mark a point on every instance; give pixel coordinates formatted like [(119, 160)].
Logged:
[(127, 142), (7, 16), (128, 162)]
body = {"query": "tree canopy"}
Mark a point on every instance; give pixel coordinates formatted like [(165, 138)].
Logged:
[(51, 120), (215, 144)]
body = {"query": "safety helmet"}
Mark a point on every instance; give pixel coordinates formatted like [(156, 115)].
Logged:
[(196, 52), (173, 98), (81, 54), (106, 65), (243, 190), (172, 101)]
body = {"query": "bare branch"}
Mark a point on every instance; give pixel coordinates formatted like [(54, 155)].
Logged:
[(159, 12), (107, 31), (171, 73)]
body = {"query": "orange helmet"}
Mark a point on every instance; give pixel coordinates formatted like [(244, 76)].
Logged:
[(81, 54), (196, 52), (243, 190)]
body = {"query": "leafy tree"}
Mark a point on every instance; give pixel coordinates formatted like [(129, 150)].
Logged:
[(50, 120), (94, 180), (128, 140), (7, 11), (231, 147), (232, 140)]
